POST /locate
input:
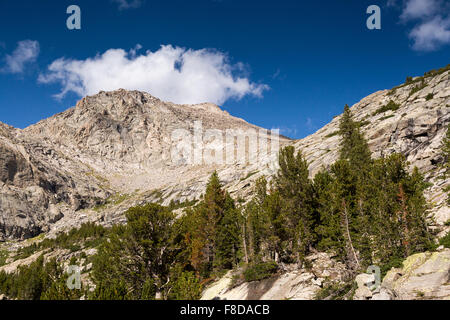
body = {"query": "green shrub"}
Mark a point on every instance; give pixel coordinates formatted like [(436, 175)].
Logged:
[(336, 291), (114, 200), (445, 241), (176, 204), (417, 88), (391, 105), (88, 235), (116, 290), (387, 117), (410, 80), (38, 281), (260, 271), (429, 96), (394, 262), (332, 134), (249, 175), (364, 123), (187, 287), (435, 72), (3, 256)]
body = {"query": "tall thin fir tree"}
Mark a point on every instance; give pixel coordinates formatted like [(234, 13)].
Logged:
[(353, 147), (296, 191)]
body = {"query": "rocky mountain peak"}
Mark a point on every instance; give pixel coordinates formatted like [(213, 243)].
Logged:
[(118, 144)]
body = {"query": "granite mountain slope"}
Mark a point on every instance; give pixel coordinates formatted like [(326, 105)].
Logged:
[(113, 150), (114, 145)]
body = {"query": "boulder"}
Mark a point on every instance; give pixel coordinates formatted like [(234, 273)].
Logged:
[(423, 276), (363, 281)]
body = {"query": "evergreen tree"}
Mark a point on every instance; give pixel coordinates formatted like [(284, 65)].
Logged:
[(267, 231), (399, 220), (138, 256), (187, 287), (370, 211), (338, 199), (352, 182), (228, 237), (111, 290), (295, 189), (354, 147), (38, 281), (214, 230)]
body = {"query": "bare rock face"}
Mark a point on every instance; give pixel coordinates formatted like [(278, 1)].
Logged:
[(114, 144), (363, 292), (113, 150), (423, 276), (293, 284), (35, 190)]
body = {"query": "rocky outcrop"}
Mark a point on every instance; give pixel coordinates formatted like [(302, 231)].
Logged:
[(292, 284), (423, 276), (37, 188)]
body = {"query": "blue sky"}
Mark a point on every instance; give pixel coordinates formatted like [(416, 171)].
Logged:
[(282, 64)]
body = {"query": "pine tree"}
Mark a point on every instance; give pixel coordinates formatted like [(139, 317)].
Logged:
[(354, 147), (267, 229), (342, 214), (256, 220), (295, 189), (228, 236), (396, 213), (355, 150), (114, 290), (138, 255), (214, 232), (187, 286), (214, 204), (370, 211), (329, 227)]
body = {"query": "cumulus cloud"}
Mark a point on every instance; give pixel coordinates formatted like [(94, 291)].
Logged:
[(414, 9), (26, 51), (430, 35), (431, 20), (128, 4), (171, 73)]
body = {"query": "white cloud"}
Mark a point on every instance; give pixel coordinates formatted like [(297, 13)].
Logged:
[(418, 9), (128, 4), (430, 35), (287, 131), (431, 20), (310, 124), (171, 73), (26, 52)]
